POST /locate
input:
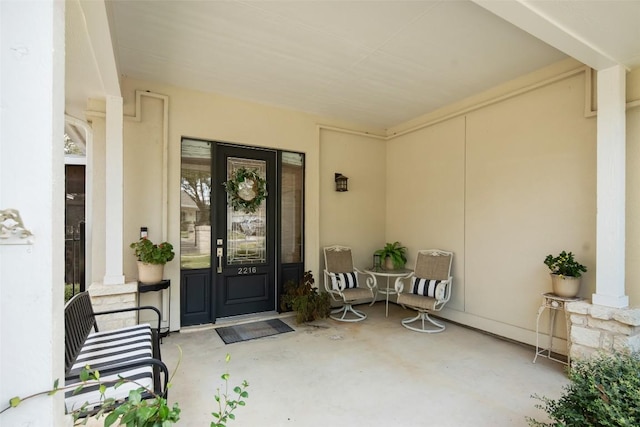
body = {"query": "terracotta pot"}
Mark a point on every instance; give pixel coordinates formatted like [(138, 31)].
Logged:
[(150, 273), (565, 286)]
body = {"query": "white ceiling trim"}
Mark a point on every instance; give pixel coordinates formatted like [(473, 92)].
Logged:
[(525, 16), (98, 31), (373, 64)]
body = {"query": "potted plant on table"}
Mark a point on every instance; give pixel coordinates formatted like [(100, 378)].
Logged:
[(394, 255), (151, 259), (565, 274)]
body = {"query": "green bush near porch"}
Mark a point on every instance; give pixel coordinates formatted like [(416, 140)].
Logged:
[(68, 291), (305, 300), (604, 391)]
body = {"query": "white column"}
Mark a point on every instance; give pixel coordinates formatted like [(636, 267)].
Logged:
[(114, 197), (32, 43), (610, 234)]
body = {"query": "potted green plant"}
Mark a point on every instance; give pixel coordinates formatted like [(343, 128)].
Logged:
[(565, 274), (394, 255), (305, 299), (151, 259)]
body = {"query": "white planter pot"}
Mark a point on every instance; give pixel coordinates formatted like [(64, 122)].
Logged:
[(565, 286), (150, 273), (388, 264)]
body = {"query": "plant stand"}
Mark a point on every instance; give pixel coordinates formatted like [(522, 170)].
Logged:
[(159, 287), (554, 303)]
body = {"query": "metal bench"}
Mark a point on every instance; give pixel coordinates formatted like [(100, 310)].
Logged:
[(131, 353)]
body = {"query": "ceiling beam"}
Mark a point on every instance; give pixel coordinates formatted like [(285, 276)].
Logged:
[(97, 25), (524, 15)]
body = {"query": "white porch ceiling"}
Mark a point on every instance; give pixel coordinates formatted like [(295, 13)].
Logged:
[(373, 63)]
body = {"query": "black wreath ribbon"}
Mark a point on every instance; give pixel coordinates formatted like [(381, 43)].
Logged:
[(245, 190)]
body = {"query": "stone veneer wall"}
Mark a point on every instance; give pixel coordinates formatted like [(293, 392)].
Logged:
[(114, 297), (595, 327)]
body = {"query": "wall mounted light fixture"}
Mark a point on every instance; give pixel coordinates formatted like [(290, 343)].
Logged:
[(341, 182), (12, 229)]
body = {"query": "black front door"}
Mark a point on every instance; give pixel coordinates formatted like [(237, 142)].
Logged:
[(244, 232)]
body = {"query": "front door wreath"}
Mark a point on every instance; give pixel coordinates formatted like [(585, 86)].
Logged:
[(245, 190)]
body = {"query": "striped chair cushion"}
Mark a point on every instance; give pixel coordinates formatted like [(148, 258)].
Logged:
[(428, 288), (350, 280), (102, 351)]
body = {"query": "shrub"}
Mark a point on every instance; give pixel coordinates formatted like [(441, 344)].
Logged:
[(603, 391), (305, 299), (68, 291)]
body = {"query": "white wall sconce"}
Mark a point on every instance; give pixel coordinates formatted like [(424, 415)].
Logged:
[(12, 229), (341, 182)]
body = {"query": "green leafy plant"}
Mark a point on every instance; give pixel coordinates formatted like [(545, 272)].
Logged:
[(227, 404), (305, 300), (396, 252), (68, 291), (139, 412), (17, 400), (603, 391), (146, 251), (133, 412), (564, 265)]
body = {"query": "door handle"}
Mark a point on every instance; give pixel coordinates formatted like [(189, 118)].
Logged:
[(219, 254)]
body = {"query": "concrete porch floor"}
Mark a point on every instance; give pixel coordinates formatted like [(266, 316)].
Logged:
[(370, 373)]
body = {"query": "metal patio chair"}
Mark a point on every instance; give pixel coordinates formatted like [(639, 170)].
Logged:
[(428, 291), (344, 283)]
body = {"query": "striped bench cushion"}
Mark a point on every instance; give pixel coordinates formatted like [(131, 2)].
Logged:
[(428, 288), (350, 280), (103, 351)]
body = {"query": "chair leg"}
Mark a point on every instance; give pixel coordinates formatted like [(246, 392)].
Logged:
[(422, 317), (347, 308)]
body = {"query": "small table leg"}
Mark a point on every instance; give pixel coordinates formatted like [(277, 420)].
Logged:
[(552, 324), (540, 311), (386, 308)]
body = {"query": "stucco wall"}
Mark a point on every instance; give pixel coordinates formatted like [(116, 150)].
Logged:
[(425, 194), (32, 181), (502, 179), (633, 193), (502, 185), (213, 117), (96, 188), (355, 218), (525, 162), (530, 191), (142, 151)]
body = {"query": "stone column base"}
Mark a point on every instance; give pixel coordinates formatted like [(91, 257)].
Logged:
[(595, 328), (114, 297)]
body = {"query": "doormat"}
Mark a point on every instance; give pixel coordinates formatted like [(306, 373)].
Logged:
[(251, 331)]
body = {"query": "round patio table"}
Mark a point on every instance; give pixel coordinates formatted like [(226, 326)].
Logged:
[(380, 272)]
